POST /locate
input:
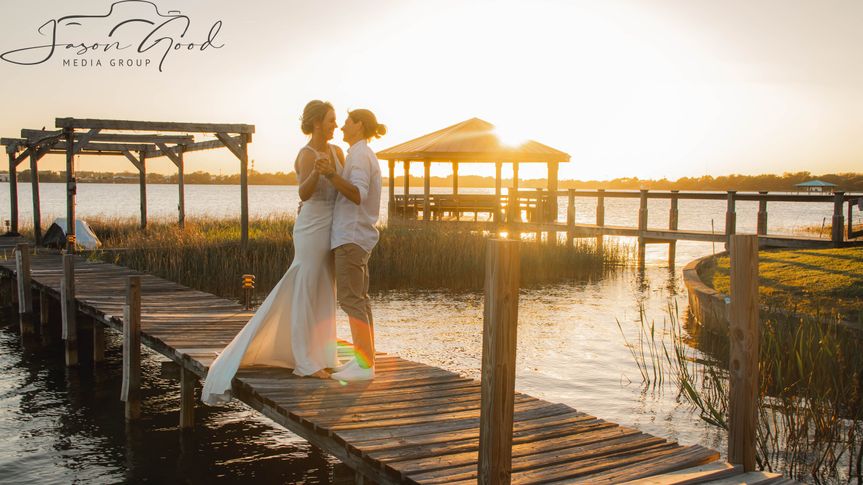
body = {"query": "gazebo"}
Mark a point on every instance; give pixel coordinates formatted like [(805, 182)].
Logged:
[(817, 186), (471, 141)]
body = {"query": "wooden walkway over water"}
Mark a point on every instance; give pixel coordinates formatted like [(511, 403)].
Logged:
[(413, 424)]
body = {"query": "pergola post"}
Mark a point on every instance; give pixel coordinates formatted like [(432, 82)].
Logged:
[(407, 183), (37, 210), (142, 182), (70, 189), (13, 194), (181, 204), (427, 190), (244, 191), (498, 166), (514, 204), (392, 186)]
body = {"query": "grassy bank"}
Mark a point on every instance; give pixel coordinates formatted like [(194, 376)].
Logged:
[(207, 256), (826, 282)]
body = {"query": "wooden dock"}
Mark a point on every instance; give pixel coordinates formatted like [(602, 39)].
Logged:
[(413, 424)]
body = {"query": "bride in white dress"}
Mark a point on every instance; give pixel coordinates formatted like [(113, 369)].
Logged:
[(295, 326)]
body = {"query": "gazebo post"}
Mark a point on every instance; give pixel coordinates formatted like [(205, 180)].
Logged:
[(392, 183), (455, 190), (407, 182), (13, 194), (514, 203), (37, 211), (427, 190), (71, 188), (142, 183), (552, 189), (498, 166)]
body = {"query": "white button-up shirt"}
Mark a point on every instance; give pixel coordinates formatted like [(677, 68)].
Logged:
[(354, 223)]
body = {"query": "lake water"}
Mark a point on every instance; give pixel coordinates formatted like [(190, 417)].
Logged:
[(64, 426)]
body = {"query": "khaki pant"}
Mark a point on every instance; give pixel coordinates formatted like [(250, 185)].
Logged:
[(352, 282)]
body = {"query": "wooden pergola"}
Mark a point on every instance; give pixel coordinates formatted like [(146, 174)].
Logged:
[(93, 138), (471, 141)]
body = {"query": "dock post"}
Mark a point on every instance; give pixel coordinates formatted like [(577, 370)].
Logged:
[(570, 218), (743, 353), (673, 216), (391, 205), (500, 321), (762, 215), (642, 226), (142, 187), (13, 195), (407, 189), (130, 391), (98, 342), (600, 218), (44, 316), (68, 310), (25, 289), (187, 398), (730, 217), (838, 219)]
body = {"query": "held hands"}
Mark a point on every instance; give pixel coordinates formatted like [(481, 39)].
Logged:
[(325, 167)]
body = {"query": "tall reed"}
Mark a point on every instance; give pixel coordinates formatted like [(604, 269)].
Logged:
[(810, 420), (206, 255)]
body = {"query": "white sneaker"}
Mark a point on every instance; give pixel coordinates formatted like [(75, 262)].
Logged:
[(344, 366), (353, 372)]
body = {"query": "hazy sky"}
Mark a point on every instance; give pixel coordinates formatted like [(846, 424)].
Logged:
[(637, 88)]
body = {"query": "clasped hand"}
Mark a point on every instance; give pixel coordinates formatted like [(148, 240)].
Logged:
[(325, 166)]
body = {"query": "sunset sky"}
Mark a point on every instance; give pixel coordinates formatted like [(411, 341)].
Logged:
[(645, 89)]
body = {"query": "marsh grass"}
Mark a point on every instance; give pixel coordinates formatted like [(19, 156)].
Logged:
[(206, 255), (810, 418)]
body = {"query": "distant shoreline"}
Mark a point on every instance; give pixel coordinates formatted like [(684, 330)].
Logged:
[(849, 182)]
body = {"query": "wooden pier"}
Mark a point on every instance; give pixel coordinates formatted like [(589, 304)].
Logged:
[(536, 212), (413, 424)]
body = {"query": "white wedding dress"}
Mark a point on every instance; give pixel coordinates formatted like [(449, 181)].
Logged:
[(295, 326)]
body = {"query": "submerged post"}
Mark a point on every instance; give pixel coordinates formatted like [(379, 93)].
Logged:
[(762, 215), (130, 392), (642, 226), (25, 290), (743, 354), (673, 216), (500, 321), (187, 398), (68, 310), (838, 219)]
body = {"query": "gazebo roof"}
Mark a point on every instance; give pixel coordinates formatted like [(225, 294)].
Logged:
[(471, 141), (815, 183)]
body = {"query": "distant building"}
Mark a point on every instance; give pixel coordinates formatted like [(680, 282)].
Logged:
[(816, 186), (4, 176)]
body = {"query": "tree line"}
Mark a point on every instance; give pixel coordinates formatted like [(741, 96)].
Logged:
[(849, 182)]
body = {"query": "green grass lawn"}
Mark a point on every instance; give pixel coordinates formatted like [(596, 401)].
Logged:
[(814, 281)]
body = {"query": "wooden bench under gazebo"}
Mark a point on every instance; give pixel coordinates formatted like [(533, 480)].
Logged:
[(472, 141), (93, 138)]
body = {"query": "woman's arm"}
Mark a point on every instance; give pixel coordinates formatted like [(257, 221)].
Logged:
[(307, 175)]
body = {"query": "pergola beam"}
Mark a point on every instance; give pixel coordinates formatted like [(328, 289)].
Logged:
[(88, 123), (33, 136), (194, 147)]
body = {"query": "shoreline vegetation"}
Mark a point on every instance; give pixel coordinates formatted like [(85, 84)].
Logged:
[(206, 255), (849, 182), (822, 283)]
